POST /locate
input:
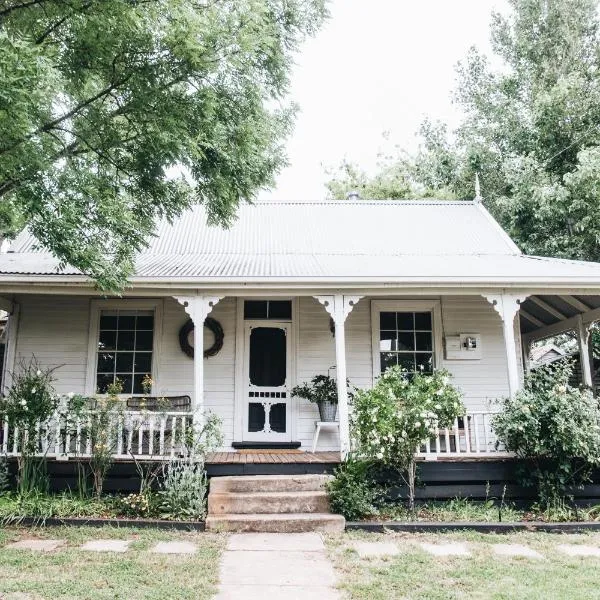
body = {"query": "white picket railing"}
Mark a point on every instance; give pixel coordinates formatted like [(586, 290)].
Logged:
[(145, 435), (470, 436)]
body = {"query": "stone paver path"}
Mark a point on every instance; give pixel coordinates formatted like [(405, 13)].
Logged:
[(578, 550), (516, 550), (452, 549), (36, 545), (375, 549), (270, 565), (174, 548), (106, 546)]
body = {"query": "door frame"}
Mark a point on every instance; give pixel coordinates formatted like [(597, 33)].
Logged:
[(240, 342)]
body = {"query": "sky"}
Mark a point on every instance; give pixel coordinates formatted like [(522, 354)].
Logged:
[(377, 67)]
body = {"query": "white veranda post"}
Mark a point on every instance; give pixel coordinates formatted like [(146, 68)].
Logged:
[(585, 356), (339, 307), (198, 307), (507, 306)]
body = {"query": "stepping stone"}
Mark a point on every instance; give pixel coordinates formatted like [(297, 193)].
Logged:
[(37, 545), (301, 542), (374, 549), (453, 549), (260, 592), (106, 546), (516, 550), (174, 548), (578, 550), (282, 568)]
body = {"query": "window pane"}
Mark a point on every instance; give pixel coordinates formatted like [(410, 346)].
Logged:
[(267, 356), (126, 322), (146, 323), (423, 321), (143, 362), (424, 362), (143, 340), (126, 381), (405, 321), (137, 382), (387, 359), (406, 341), (387, 320), (256, 416), (102, 382), (387, 341), (108, 321), (424, 341), (106, 363), (107, 340), (124, 362), (125, 340), (280, 309), (255, 309), (277, 417), (407, 361)]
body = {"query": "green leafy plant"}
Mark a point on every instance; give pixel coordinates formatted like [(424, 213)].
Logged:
[(184, 484), (103, 433), (556, 427), (353, 492), (322, 388), (4, 475), (401, 412)]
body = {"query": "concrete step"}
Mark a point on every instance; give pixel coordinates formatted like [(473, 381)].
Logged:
[(276, 523), (269, 483), (267, 502)]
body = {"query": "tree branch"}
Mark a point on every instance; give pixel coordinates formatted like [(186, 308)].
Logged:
[(10, 9)]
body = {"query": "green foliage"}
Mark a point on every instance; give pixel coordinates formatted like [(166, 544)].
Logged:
[(116, 114), (4, 475), (183, 490), (103, 433), (393, 419), (556, 427), (31, 400), (322, 388), (353, 492)]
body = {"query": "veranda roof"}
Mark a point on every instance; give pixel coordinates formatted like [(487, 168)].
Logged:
[(359, 241)]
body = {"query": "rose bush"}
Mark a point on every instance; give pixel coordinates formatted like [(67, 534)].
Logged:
[(400, 413)]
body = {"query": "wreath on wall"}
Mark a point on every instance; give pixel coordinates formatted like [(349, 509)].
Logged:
[(209, 323)]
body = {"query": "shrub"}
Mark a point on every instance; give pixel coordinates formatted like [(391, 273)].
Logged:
[(4, 475), (184, 488), (556, 427), (353, 492), (393, 419)]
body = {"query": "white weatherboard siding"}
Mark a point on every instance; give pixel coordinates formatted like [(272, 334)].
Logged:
[(56, 330)]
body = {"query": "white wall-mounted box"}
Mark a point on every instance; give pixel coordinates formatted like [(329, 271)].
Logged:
[(463, 346)]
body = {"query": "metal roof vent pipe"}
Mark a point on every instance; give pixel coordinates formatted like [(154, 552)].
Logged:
[(353, 195)]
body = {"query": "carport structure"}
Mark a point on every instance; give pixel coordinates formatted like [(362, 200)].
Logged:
[(545, 316)]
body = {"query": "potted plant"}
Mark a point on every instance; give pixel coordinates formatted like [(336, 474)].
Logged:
[(321, 390)]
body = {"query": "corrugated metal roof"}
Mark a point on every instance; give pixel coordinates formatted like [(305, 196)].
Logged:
[(422, 240)]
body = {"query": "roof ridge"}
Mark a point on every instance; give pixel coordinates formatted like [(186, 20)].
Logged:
[(369, 201)]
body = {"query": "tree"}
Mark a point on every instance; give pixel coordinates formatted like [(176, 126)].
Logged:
[(117, 113), (531, 130)]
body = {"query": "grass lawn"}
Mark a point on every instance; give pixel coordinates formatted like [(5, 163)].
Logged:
[(415, 574), (74, 574)]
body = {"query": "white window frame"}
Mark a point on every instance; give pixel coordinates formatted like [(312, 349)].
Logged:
[(432, 306), (96, 307)]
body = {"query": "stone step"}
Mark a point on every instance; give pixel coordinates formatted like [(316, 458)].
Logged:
[(267, 502), (276, 523), (269, 483)]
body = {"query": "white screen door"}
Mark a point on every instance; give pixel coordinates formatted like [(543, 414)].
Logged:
[(266, 381)]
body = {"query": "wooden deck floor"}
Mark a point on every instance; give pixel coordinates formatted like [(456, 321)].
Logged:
[(228, 458)]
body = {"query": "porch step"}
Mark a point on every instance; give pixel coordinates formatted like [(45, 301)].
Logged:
[(268, 483), (268, 502), (276, 523), (271, 503)]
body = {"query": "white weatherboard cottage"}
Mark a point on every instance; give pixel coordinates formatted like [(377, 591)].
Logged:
[(301, 289)]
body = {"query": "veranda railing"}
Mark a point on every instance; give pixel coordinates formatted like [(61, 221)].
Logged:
[(143, 435)]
